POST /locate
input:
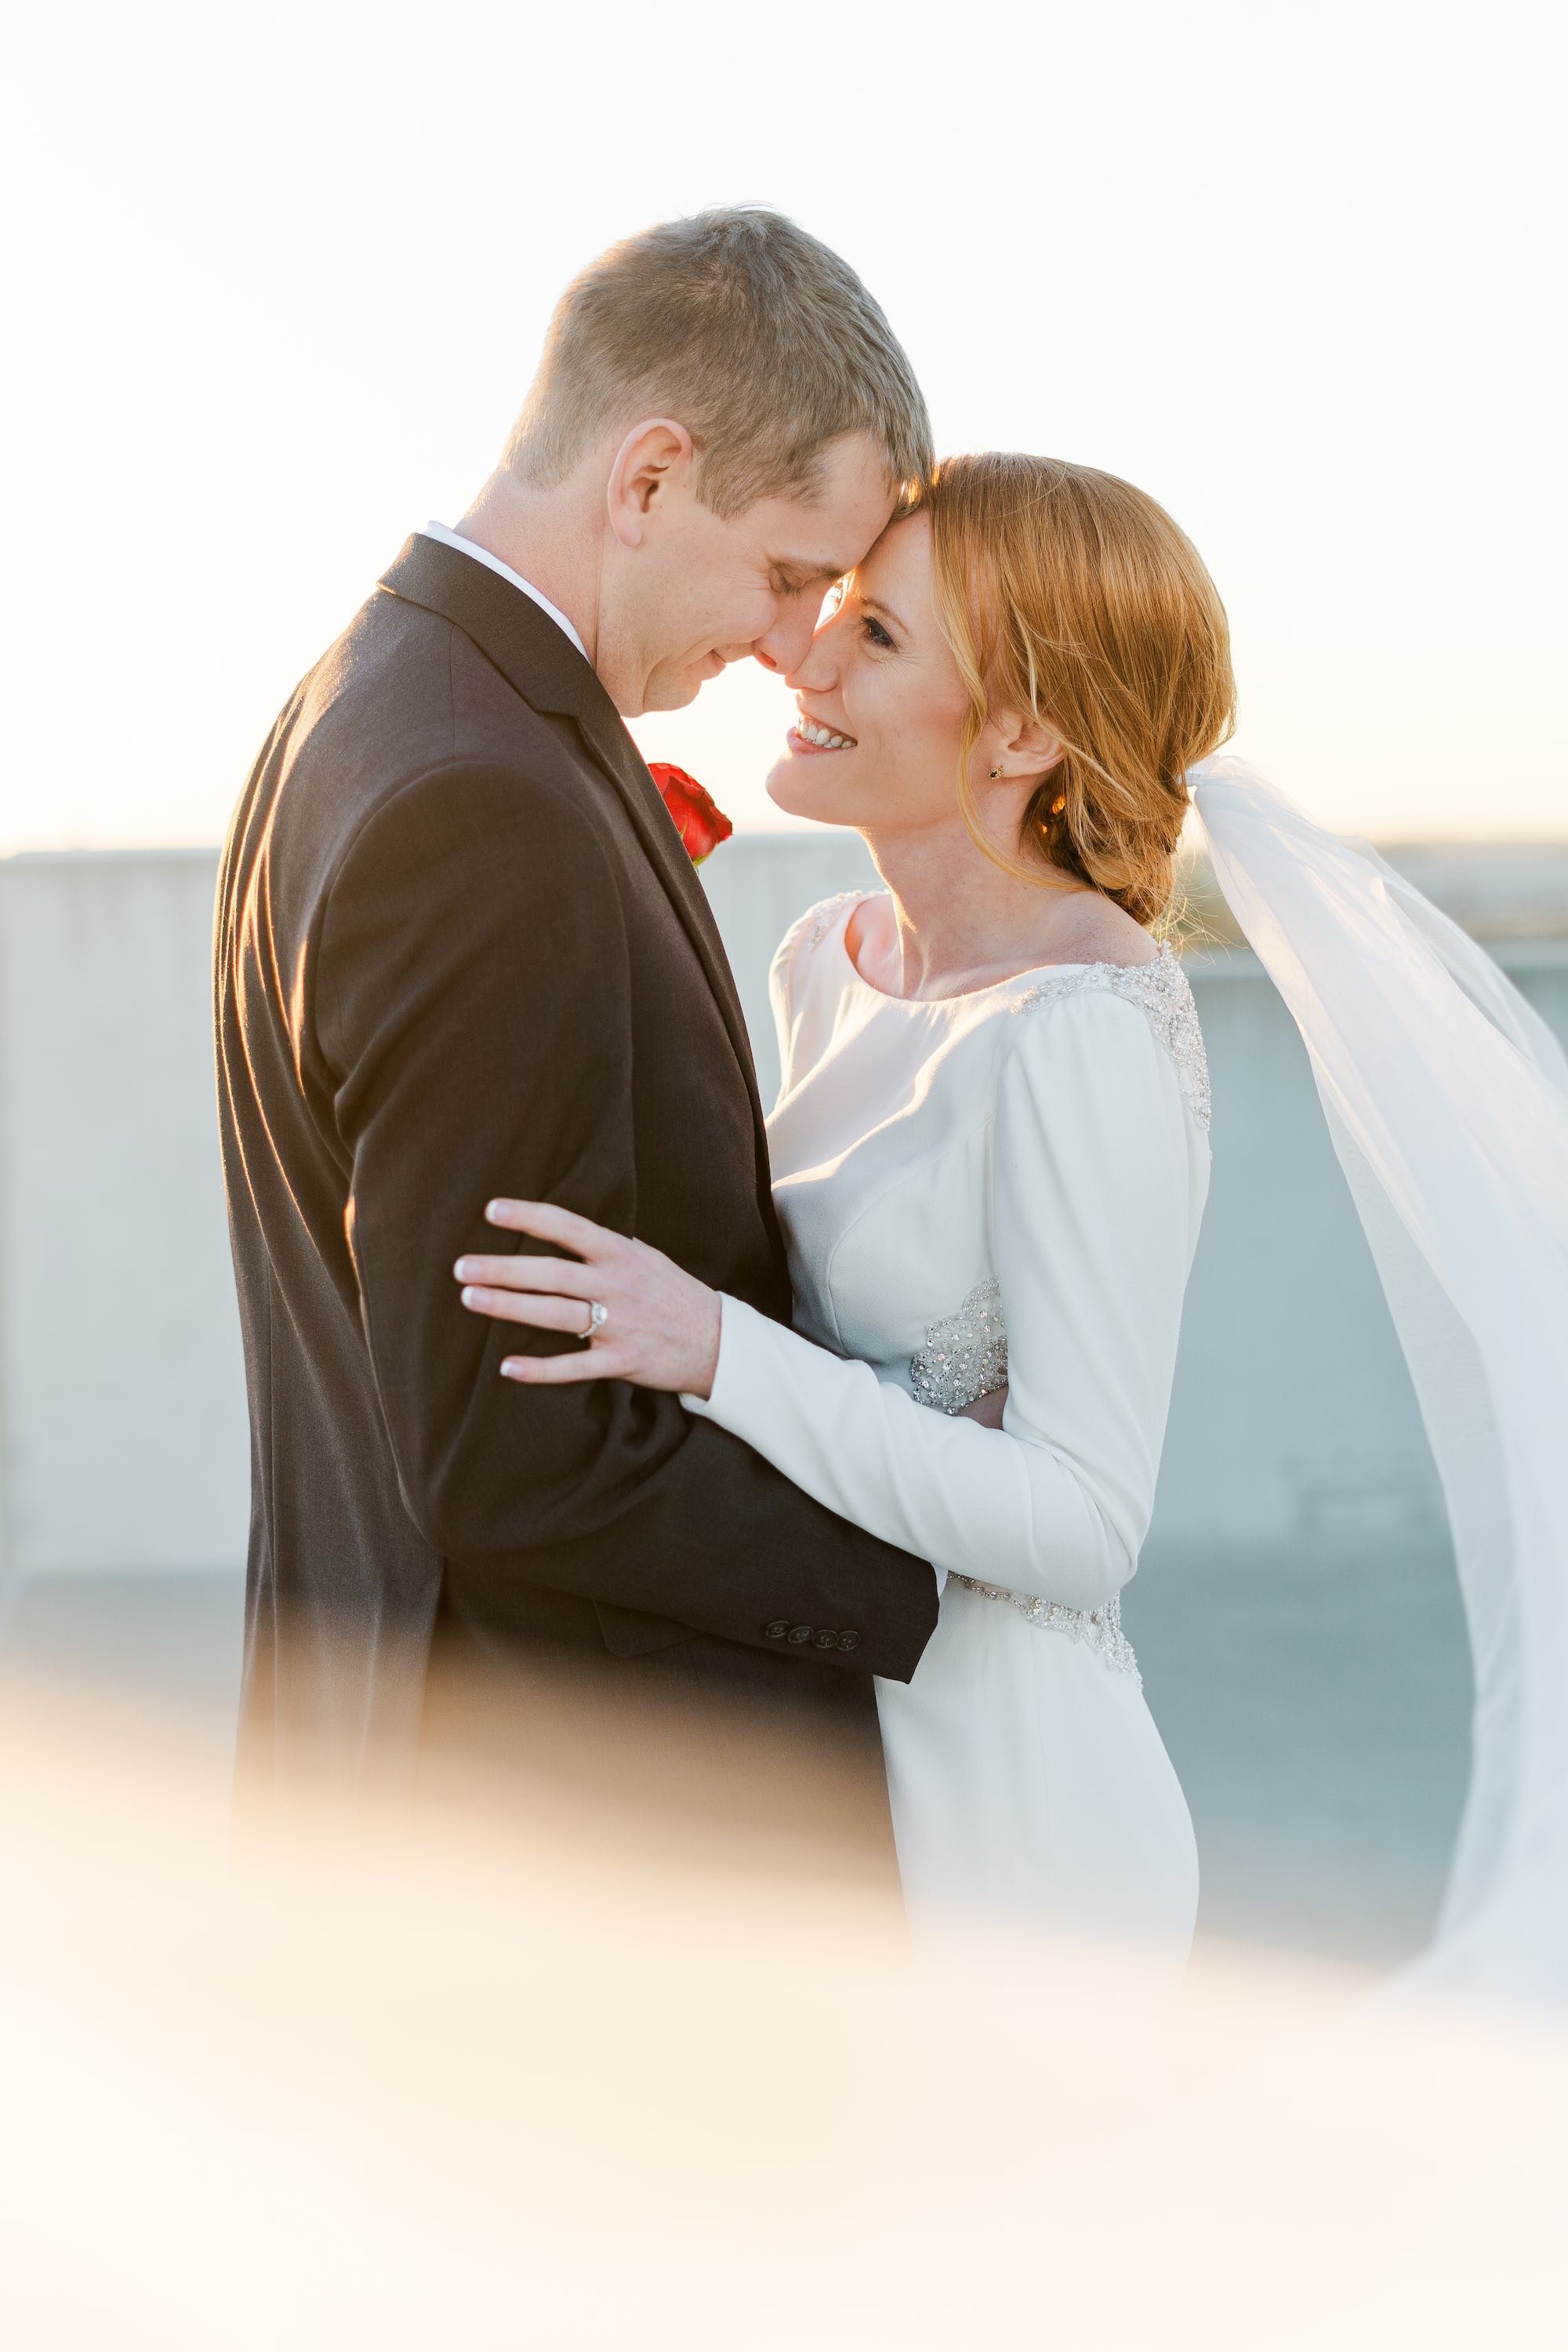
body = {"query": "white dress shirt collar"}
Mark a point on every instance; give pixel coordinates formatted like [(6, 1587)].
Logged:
[(438, 530)]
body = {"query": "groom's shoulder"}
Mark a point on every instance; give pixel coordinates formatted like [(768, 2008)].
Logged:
[(403, 695), (404, 687)]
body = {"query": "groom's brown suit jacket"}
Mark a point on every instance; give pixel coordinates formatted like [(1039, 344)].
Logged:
[(461, 951)]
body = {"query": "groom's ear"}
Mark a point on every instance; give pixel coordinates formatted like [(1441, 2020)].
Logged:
[(654, 461)]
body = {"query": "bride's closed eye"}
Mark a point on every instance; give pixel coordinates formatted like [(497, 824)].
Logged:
[(876, 633)]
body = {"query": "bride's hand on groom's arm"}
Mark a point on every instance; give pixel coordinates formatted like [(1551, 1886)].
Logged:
[(660, 1328), (987, 1409)]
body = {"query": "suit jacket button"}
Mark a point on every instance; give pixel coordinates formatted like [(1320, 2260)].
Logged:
[(800, 1632), (850, 1641), (825, 1640), (777, 1629)]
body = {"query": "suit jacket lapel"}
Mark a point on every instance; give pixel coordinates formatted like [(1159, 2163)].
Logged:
[(546, 670), (624, 764)]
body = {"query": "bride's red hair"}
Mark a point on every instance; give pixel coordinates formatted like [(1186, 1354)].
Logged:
[(1070, 597)]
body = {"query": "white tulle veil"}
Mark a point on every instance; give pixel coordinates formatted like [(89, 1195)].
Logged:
[(1447, 1097)]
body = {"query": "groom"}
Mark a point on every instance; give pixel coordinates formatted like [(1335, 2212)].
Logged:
[(461, 952)]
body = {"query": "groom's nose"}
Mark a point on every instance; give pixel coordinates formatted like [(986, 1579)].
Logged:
[(814, 665), (789, 641)]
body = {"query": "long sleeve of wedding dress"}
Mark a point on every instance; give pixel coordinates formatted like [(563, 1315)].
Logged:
[(1081, 1172)]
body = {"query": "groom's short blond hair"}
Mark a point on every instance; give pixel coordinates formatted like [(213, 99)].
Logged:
[(736, 324)]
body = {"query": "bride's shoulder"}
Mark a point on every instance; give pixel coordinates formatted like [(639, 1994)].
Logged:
[(807, 936), (1099, 932), (1117, 1012)]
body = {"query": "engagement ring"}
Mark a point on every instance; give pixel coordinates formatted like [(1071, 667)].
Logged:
[(597, 1318)]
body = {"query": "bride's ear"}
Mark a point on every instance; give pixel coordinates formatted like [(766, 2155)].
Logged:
[(1028, 747)]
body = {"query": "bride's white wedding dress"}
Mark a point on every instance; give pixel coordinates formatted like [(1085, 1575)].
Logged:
[(1005, 1185)]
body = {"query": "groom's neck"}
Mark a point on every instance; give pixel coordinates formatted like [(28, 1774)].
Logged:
[(550, 537)]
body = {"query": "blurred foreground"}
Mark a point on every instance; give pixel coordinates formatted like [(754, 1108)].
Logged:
[(441, 2081), (1316, 1706)]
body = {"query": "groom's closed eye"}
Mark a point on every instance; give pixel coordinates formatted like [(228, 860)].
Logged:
[(803, 578)]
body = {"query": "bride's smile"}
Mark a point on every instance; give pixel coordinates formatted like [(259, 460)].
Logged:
[(810, 734)]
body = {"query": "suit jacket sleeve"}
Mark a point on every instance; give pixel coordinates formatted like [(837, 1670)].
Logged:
[(472, 1009)]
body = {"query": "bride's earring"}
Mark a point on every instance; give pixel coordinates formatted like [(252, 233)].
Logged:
[(995, 773)]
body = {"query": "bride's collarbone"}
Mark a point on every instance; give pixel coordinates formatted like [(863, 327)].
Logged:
[(1094, 929)]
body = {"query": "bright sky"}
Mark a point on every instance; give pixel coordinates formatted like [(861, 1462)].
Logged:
[(1296, 269)]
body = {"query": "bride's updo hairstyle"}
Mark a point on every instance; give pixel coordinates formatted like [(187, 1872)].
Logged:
[(1071, 597)]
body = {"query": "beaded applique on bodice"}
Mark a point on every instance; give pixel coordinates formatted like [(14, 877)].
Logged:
[(964, 1356)]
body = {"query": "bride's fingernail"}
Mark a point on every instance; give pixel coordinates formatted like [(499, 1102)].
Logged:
[(511, 1368), (470, 1298), (464, 1269)]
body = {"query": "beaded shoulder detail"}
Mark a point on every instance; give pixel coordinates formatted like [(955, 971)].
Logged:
[(803, 936), (821, 918), (1160, 990)]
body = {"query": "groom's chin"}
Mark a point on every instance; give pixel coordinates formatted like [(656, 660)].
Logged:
[(675, 685), (670, 690)]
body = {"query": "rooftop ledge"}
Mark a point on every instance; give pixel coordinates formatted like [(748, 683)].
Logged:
[(1497, 890)]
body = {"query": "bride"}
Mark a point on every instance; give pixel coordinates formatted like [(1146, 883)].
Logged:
[(990, 1160), (991, 1156)]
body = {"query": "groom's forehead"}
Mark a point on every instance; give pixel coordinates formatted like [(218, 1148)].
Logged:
[(822, 537), (815, 550)]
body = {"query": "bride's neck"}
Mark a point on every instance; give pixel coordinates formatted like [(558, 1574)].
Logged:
[(958, 921)]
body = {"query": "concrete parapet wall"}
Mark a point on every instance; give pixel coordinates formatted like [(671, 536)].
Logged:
[(124, 1438), (122, 1425)]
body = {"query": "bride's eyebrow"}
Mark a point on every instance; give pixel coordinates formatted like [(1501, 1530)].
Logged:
[(875, 604)]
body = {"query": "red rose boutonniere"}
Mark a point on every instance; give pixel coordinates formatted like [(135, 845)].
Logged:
[(701, 825)]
